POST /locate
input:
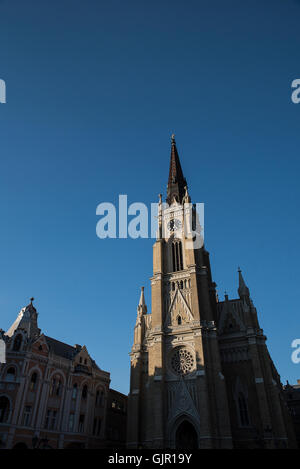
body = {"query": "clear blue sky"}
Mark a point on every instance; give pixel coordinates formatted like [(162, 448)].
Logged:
[(94, 91)]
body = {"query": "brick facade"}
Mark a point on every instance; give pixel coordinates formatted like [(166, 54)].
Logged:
[(52, 395)]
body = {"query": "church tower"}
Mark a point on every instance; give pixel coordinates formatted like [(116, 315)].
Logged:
[(178, 395)]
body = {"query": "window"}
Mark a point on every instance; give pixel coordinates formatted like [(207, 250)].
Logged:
[(33, 381), (81, 423), (58, 387), (53, 386), (10, 374), (4, 409), (99, 427), (71, 422), (243, 409), (27, 415), (47, 420), (17, 343), (53, 420), (179, 320), (99, 398), (84, 392), (74, 392), (177, 256), (50, 421)]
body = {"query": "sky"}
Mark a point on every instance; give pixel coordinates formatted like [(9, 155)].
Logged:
[(94, 91)]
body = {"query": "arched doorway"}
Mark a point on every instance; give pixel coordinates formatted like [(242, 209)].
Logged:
[(186, 436)]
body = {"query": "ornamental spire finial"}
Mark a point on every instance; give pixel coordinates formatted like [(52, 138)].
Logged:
[(142, 308)]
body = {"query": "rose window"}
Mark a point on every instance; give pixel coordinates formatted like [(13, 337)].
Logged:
[(182, 361)]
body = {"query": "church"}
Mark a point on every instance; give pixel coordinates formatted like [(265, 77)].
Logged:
[(201, 372)]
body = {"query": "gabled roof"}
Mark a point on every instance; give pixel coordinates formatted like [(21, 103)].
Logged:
[(61, 349)]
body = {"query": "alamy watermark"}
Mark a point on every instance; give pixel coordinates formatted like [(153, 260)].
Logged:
[(295, 97), (2, 91), (295, 357), (134, 221), (2, 351)]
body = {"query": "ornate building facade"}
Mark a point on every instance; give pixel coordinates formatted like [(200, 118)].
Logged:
[(53, 395), (201, 373)]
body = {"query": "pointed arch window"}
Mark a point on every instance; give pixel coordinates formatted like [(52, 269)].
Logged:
[(177, 259), (243, 410), (179, 320)]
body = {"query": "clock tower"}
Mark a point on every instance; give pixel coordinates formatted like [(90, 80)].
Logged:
[(177, 390)]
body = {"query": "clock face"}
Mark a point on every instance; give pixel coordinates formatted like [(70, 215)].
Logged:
[(174, 224)]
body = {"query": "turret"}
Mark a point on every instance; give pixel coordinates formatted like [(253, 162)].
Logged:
[(243, 290), (26, 321)]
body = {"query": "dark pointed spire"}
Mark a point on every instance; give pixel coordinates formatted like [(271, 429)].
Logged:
[(243, 290), (176, 182)]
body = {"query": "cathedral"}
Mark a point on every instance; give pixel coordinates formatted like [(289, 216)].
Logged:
[(201, 372)]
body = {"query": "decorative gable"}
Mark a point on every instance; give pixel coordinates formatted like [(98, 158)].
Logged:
[(40, 346), (179, 311)]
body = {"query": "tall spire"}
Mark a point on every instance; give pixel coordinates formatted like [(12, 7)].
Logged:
[(243, 290), (176, 182)]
